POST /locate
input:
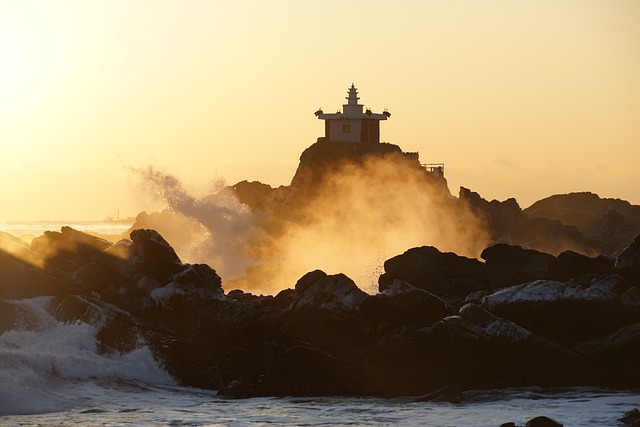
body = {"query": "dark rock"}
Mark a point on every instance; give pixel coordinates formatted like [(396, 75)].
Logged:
[(542, 422), (154, 256), (628, 262), (68, 249), (446, 275), (631, 418), (610, 224), (568, 313), (508, 265), (402, 304), (507, 223), (253, 194), (571, 264), (619, 352), (323, 311), (197, 281), (304, 370)]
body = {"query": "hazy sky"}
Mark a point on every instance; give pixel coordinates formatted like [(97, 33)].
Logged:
[(517, 98)]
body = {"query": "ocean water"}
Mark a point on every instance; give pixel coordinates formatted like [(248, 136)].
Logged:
[(31, 229), (52, 374)]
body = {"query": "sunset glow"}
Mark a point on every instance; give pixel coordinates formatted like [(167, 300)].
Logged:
[(519, 99)]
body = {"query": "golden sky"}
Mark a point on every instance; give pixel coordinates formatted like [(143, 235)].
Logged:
[(520, 99)]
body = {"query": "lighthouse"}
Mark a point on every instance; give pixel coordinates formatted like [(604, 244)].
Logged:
[(352, 124)]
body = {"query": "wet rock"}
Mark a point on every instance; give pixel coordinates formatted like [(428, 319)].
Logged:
[(508, 265), (628, 262), (153, 255), (69, 248), (570, 312), (571, 264), (197, 281), (402, 304), (446, 275), (631, 418), (619, 352), (304, 370)]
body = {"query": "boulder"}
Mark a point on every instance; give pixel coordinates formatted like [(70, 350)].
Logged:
[(570, 312), (609, 224), (631, 418), (446, 275), (570, 264), (619, 351), (401, 305), (628, 262), (68, 249), (508, 265), (542, 422), (153, 255)]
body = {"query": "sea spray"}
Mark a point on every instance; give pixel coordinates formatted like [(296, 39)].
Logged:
[(219, 228), (42, 362)]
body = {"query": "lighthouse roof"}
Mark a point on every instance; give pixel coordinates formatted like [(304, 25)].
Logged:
[(352, 110)]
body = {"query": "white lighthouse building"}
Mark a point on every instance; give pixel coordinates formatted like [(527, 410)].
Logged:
[(352, 124)]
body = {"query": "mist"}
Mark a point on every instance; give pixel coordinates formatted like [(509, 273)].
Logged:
[(360, 214)]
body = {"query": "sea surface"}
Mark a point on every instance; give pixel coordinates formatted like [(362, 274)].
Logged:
[(27, 230), (52, 374)]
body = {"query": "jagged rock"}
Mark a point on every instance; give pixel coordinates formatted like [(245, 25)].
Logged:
[(610, 223), (620, 351), (69, 248), (568, 312), (322, 311), (571, 264), (319, 292), (253, 194), (628, 262), (446, 275), (402, 304), (508, 265), (473, 349), (197, 281), (176, 228), (117, 330), (304, 370), (153, 255), (506, 222), (631, 418), (328, 156), (25, 274)]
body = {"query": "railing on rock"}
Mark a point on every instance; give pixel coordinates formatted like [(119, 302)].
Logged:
[(434, 168)]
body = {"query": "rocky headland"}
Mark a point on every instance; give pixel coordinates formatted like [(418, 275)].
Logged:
[(551, 299)]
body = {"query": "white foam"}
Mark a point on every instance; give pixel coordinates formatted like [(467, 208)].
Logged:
[(39, 363)]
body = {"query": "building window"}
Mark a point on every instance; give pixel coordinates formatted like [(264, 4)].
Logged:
[(346, 128)]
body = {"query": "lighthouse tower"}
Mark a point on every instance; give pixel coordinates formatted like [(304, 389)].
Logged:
[(352, 124)]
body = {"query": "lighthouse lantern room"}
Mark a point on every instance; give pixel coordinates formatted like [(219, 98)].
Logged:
[(352, 124)]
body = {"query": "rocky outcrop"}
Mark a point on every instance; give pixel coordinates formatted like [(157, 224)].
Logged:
[(610, 224), (319, 162), (447, 275), (253, 194), (441, 324), (508, 223)]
